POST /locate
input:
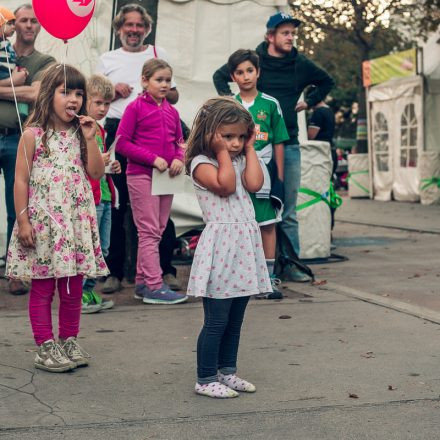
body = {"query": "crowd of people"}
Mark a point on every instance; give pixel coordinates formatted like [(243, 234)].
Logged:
[(70, 182)]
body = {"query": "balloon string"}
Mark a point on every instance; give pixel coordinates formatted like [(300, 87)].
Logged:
[(64, 64)]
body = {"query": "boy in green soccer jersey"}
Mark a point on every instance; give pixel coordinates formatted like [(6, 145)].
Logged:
[(271, 134)]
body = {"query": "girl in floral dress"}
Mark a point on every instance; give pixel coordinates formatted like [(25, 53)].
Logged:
[(55, 241), (229, 264)]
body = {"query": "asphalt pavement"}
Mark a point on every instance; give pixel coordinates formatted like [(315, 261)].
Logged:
[(353, 357)]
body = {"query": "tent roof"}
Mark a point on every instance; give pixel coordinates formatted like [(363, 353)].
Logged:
[(395, 88)]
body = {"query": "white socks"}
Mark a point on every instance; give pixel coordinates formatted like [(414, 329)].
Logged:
[(235, 383), (215, 389), (226, 387)]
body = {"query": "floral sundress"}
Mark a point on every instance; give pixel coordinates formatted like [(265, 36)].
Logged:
[(62, 213), (229, 260)]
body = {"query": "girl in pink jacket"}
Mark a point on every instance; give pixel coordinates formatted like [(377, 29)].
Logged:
[(150, 136)]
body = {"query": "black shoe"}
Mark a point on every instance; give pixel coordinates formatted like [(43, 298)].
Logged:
[(276, 294)]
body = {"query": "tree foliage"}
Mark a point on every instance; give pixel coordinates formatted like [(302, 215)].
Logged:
[(429, 20), (341, 34)]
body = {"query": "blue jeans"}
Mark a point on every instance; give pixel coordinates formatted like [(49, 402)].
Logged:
[(104, 221), (8, 155), (218, 341), (292, 180)]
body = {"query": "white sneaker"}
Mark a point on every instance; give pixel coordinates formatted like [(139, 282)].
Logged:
[(51, 357), (74, 352)]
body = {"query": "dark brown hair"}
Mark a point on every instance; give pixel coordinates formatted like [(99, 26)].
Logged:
[(212, 114), (240, 56), (54, 76)]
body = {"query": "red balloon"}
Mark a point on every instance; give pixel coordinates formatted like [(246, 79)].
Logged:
[(64, 19)]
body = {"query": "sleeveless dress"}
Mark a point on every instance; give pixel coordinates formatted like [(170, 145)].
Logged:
[(229, 260), (62, 213)]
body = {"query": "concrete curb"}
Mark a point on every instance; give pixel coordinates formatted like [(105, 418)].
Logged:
[(400, 306), (387, 226)]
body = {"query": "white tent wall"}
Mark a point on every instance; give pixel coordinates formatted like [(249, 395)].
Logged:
[(400, 103), (199, 36), (432, 111), (381, 115)]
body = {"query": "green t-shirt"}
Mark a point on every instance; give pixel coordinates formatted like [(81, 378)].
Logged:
[(106, 195), (268, 117), (35, 63)]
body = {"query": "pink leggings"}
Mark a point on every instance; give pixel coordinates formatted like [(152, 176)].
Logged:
[(40, 302), (150, 215)]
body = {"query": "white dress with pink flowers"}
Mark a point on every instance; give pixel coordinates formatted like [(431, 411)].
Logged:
[(62, 214), (229, 260)]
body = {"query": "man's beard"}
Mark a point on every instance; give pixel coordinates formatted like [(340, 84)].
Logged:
[(283, 49), (125, 41)]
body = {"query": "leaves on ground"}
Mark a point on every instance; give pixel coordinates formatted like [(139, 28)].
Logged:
[(319, 282), (368, 355), (284, 317), (353, 396), (391, 388)]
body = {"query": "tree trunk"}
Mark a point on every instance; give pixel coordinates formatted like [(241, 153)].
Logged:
[(361, 129)]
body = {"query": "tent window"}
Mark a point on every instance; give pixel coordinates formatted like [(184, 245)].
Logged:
[(381, 142), (408, 137)]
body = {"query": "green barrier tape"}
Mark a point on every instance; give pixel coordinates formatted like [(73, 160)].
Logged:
[(431, 181), (362, 187), (333, 201)]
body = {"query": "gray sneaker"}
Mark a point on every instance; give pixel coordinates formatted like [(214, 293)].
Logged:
[(275, 294), (87, 308), (51, 357), (111, 285), (140, 290), (170, 280), (164, 295), (74, 352), (293, 274)]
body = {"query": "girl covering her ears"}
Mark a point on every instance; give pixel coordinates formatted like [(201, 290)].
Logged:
[(229, 264), (55, 241), (150, 136)]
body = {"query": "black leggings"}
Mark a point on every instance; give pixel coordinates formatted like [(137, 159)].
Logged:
[(218, 341)]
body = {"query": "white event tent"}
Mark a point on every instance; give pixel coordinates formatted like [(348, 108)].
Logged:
[(198, 36), (404, 130)]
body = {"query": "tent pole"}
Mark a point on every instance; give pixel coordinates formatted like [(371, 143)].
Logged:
[(370, 143), (111, 27)]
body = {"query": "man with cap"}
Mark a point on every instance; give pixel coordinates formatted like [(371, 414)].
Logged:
[(284, 74), (27, 86)]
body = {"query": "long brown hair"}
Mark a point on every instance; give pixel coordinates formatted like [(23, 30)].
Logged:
[(212, 114), (41, 116)]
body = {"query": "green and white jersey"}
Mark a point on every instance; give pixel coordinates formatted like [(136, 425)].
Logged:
[(268, 117)]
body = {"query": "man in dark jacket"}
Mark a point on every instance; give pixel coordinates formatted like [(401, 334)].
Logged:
[(284, 74)]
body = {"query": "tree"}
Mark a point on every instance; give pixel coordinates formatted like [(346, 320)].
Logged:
[(429, 20), (355, 31)]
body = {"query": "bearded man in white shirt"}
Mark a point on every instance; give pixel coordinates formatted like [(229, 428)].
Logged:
[(123, 67)]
